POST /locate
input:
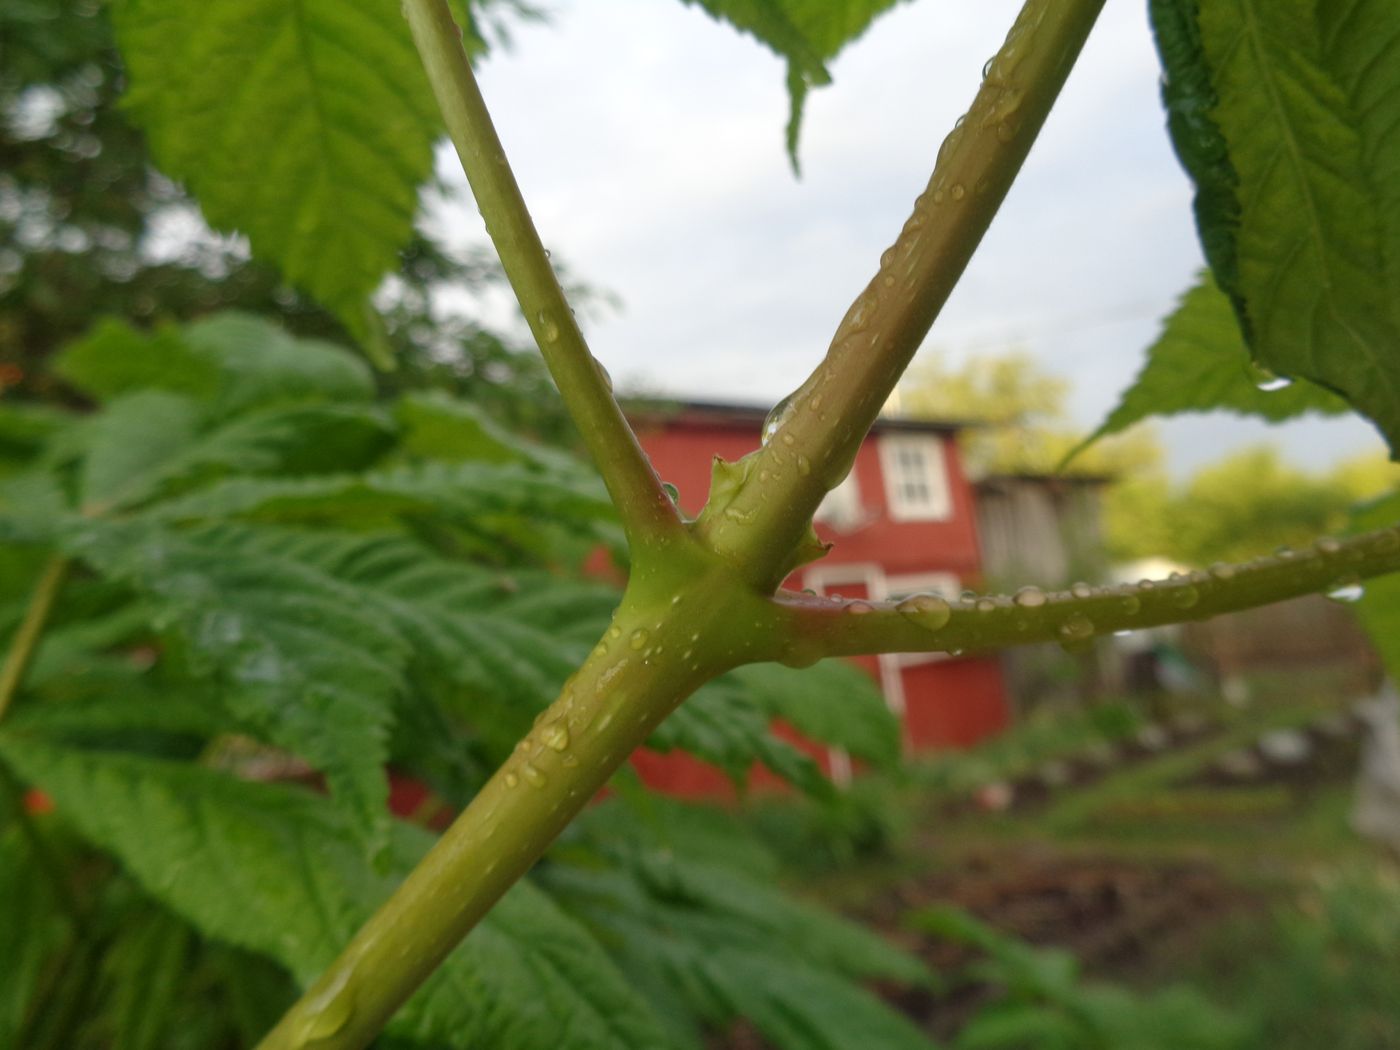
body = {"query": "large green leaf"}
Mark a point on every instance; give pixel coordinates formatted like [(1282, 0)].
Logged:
[(1199, 364), (463, 492), (130, 442), (150, 443), (1306, 95), (230, 361), (113, 358), (277, 871), (260, 363), (806, 33), (708, 943), (833, 702), (306, 126), (299, 656)]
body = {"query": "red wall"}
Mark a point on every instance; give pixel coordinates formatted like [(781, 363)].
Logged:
[(947, 703)]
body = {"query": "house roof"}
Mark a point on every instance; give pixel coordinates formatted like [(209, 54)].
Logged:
[(1046, 478), (750, 417)]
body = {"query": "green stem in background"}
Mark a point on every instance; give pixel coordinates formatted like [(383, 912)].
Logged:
[(648, 516), (926, 623), (31, 628), (818, 430)]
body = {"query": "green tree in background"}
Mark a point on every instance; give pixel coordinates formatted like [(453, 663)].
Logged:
[(89, 228), (1024, 410), (1246, 504)]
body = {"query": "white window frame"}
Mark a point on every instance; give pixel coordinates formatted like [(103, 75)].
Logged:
[(936, 502), (841, 508)]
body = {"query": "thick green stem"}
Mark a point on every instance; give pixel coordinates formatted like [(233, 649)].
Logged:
[(31, 629), (647, 513), (657, 651), (823, 424), (695, 606), (924, 623)]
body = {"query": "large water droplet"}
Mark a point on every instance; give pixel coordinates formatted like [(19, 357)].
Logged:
[(328, 1011), (929, 611), (1081, 590), (958, 191), (640, 635), (1076, 631), (1265, 380), (673, 493), (549, 328), (986, 604), (555, 736), (1030, 597), (603, 373), (512, 780), (859, 608), (1222, 570), (532, 775), (776, 418), (1185, 597), (1348, 589), (614, 631)]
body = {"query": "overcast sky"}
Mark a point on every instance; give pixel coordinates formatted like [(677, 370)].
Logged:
[(648, 141)]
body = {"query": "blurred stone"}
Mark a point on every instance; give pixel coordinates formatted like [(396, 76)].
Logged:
[(1240, 764), (1285, 747), (1376, 813), (1153, 737), (995, 797)]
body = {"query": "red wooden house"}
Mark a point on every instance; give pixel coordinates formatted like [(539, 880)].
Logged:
[(902, 522)]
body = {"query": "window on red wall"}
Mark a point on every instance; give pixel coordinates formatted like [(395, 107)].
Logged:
[(916, 482), (841, 507)]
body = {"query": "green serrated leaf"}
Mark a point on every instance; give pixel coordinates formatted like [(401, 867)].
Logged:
[(130, 441), (833, 702), (148, 444), (114, 359), (708, 944), (1306, 97), (1199, 363), (24, 428), (307, 126), (436, 426), (468, 493), (259, 363), (1189, 97), (723, 724), (298, 654), (806, 33), (277, 871)]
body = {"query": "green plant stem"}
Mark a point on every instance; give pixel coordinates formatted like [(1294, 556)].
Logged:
[(824, 422), (656, 652), (696, 603), (31, 629), (648, 515), (811, 625)]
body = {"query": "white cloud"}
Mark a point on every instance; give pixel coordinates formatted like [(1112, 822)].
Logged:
[(648, 140)]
